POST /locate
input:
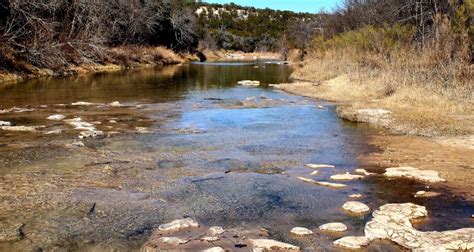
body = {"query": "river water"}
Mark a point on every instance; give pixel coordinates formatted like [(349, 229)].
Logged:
[(184, 141)]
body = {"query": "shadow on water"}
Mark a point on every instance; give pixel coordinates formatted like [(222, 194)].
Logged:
[(223, 154)]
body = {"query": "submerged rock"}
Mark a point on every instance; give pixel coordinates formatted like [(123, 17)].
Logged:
[(352, 242), (5, 123), (425, 194), (249, 83), (329, 184), (91, 134), (333, 227), (363, 171), (115, 104), (319, 166), (210, 238), (272, 245), (321, 183), (21, 128), (143, 130), (414, 173), (81, 103), (173, 240), (346, 176), (355, 207), (301, 231), (56, 117), (393, 222), (178, 225), (214, 249)]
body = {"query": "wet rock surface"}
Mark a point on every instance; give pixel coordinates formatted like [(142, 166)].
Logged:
[(333, 227), (356, 207), (301, 231), (393, 222), (414, 173)]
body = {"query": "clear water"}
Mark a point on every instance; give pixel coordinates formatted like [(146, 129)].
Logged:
[(223, 154)]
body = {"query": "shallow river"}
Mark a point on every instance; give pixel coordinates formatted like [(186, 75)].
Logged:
[(184, 141)]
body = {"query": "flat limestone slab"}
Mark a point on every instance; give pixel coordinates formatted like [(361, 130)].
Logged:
[(393, 222), (346, 176), (352, 242), (319, 166), (272, 245), (301, 231), (333, 227), (321, 183), (414, 173), (355, 207), (56, 117), (249, 83), (178, 225)]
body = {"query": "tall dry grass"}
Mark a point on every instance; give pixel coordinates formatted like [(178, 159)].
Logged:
[(429, 89)]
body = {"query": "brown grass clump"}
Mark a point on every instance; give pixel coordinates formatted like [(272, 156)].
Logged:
[(135, 55)]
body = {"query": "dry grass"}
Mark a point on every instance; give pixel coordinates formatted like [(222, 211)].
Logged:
[(134, 55), (426, 95)]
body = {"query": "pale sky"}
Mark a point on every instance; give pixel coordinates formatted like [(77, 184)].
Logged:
[(311, 6)]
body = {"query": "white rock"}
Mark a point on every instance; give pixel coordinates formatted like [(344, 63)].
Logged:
[(329, 184), (363, 171), (392, 222), (414, 173), (320, 107), (173, 240), (307, 180), (91, 134), (115, 104), (314, 173), (21, 128), (75, 144), (272, 245), (355, 196), (214, 249), (216, 230), (112, 121), (352, 242), (333, 227), (56, 117), (177, 225), (301, 231), (346, 176), (5, 123), (319, 166), (81, 103), (321, 183), (210, 238), (355, 207), (143, 130), (425, 194), (249, 83)]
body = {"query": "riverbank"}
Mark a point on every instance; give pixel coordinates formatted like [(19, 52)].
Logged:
[(114, 59), (432, 130)]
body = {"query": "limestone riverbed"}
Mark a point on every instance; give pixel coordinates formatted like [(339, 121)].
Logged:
[(102, 162)]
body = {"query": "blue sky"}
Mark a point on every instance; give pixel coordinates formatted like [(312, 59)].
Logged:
[(311, 6)]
